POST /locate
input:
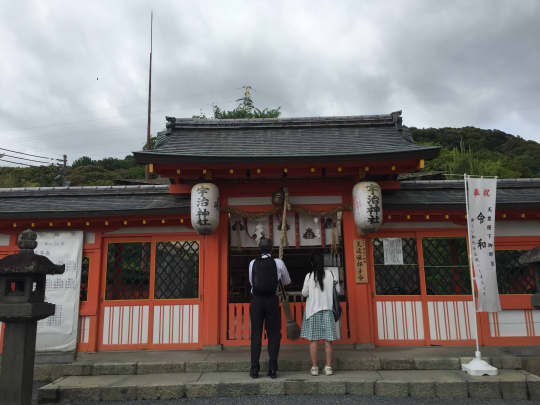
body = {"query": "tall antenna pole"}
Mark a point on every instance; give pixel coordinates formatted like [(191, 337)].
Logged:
[(146, 171)]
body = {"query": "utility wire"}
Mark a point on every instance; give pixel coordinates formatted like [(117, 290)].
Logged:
[(28, 154), (18, 163), (16, 157)]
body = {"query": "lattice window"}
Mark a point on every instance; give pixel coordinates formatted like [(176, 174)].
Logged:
[(397, 279), (446, 266), (84, 278), (512, 277), (128, 271), (177, 270)]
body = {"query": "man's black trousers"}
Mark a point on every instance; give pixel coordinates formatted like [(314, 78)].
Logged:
[(265, 309)]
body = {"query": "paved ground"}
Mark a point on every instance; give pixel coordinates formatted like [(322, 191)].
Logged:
[(509, 384), (307, 400), (129, 375), (291, 359), (301, 351)]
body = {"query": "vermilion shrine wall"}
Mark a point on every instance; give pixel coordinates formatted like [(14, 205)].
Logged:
[(381, 319)]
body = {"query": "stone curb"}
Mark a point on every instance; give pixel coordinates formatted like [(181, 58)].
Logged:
[(421, 384), (51, 372)]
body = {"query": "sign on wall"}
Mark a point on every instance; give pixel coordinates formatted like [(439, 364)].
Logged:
[(393, 251), (360, 261), (59, 331)]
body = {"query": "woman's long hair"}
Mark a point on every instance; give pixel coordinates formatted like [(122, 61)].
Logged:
[(317, 268)]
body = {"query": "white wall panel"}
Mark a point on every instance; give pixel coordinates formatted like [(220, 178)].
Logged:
[(515, 323), (4, 239), (400, 320), (451, 320), (150, 230), (517, 228), (125, 325), (84, 329), (176, 324)]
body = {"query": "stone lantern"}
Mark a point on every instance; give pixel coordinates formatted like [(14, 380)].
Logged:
[(22, 295), (532, 257)]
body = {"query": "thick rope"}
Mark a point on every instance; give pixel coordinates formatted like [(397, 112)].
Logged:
[(299, 210), (283, 240)]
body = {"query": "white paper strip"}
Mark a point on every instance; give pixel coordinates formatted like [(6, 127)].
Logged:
[(393, 251), (309, 230), (249, 231), (276, 223)]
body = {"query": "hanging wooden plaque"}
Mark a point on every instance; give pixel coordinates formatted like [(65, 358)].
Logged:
[(360, 261)]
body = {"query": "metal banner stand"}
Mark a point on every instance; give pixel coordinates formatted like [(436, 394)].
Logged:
[(477, 366)]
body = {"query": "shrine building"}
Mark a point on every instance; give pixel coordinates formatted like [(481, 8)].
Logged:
[(167, 268)]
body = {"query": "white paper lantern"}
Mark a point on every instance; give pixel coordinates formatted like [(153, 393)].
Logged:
[(204, 208), (367, 207)]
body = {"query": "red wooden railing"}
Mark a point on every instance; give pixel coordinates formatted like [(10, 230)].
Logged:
[(238, 324)]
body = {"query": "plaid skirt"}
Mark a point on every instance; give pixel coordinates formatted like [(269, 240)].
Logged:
[(320, 325)]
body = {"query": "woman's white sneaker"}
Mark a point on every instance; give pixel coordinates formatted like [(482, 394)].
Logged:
[(314, 371), (328, 370)]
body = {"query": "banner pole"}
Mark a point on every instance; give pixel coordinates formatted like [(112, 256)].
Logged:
[(476, 366), (477, 353)]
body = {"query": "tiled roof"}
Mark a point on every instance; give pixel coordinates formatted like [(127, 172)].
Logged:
[(314, 138), (64, 202), (450, 194), (72, 202)]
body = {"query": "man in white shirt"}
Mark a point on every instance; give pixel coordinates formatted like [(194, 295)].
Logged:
[(264, 275)]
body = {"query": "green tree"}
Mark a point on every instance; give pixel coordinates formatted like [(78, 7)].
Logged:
[(153, 140), (42, 176), (480, 151), (245, 110), (82, 161)]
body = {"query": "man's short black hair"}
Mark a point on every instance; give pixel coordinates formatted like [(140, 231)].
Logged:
[(266, 245)]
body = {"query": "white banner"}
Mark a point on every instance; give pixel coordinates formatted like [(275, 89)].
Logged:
[(59, 331), (481, 195)]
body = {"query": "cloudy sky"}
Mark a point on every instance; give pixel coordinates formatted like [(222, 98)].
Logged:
[(74, 74)]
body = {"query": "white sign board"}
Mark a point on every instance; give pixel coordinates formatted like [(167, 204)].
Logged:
[(393, 251), (481, 196), (59, 331)]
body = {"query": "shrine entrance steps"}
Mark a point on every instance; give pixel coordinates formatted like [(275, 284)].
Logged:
[(385, 372)]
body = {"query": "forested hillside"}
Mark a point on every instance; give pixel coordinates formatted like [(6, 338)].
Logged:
[(83, 172), (480, 151), (468, 149)]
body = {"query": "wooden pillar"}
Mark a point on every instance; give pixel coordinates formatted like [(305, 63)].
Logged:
[(224, 276), (360, 302), (210, 326), (96, 291)]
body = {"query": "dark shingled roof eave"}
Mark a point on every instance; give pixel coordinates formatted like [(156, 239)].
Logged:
[(144, 157), (430, 206), (450, 195), (81, 202), (305, 139), (393, 118), (92, 214)]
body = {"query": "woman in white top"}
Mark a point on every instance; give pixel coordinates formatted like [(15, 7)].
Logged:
[(318, 322)]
